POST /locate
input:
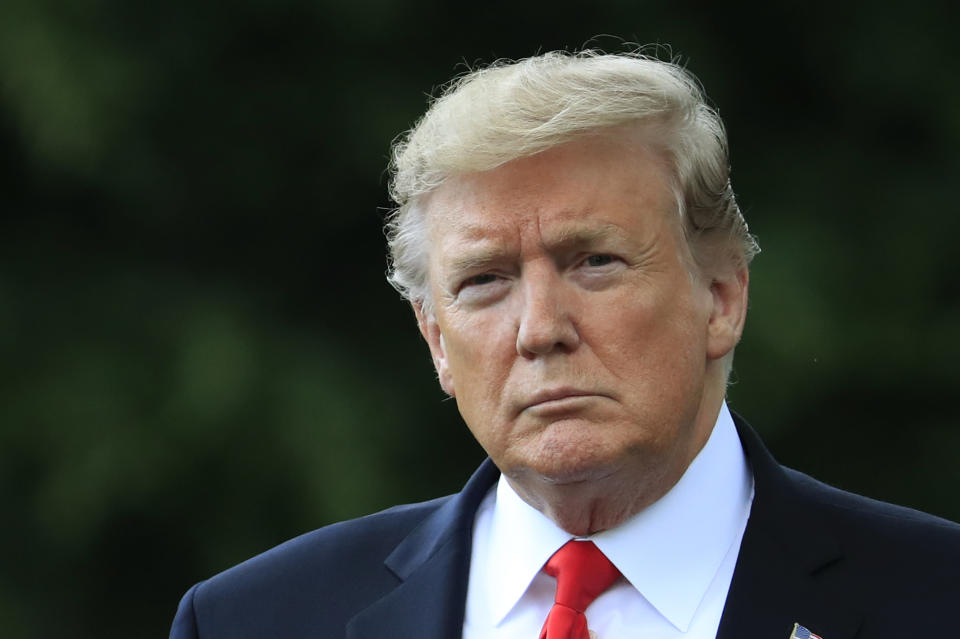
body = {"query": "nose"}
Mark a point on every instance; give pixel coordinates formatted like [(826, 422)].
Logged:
[(546, 321)]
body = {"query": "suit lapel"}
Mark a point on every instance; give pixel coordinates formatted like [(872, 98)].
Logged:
[(784, 553), (433, 565)]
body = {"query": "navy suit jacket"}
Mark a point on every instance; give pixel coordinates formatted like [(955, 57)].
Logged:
[(842, 565)]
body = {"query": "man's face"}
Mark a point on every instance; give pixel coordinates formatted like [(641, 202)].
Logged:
[(565, 320)]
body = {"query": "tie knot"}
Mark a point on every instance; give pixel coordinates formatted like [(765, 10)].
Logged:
[(582, 572)]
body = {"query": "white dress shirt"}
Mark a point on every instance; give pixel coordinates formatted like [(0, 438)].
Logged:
[(676, 556)]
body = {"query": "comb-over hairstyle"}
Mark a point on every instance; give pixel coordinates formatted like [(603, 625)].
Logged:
[(511, 110)]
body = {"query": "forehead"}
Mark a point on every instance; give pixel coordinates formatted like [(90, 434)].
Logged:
[(580, 191)]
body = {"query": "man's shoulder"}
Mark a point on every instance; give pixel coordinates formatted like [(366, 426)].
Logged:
[(363, 540), (366, 536), (324, 578), (861, 525), (851, 511), (341, 562), (882, 539), (871, 554)]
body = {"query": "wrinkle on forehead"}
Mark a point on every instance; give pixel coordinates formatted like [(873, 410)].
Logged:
[(474, 247), (526, 205)]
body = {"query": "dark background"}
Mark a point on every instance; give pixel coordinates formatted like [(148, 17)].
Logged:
[(200, 356)]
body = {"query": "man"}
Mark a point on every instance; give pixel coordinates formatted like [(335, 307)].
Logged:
[(577, 263)]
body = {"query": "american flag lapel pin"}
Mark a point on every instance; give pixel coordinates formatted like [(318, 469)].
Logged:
[(799, 632)]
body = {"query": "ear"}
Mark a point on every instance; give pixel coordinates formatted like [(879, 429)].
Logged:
[(427, 322), (728, 291)]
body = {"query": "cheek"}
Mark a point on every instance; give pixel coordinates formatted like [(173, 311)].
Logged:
[(479, 354), (650, 340), (480, 364)]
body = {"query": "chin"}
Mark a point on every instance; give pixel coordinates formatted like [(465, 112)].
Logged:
[(575, 475), (575, 460)]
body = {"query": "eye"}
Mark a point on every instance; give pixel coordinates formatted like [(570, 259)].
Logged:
[(600, 259), (479, 280), (483, 289)]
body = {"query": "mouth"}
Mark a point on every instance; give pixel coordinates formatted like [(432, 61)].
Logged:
[(558, 399)]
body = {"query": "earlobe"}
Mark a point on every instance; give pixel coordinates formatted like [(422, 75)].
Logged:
[(729, 311), (427, 323)]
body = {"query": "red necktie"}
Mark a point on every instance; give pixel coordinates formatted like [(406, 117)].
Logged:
[(582, 572)]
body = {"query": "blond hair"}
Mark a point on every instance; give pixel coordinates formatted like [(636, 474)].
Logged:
[(511, 110)]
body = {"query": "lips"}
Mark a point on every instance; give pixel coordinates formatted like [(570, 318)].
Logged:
[(548, 397)]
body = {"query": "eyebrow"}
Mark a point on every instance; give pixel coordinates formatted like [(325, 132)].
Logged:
[(565, 240), (477, 259), (571, 238)]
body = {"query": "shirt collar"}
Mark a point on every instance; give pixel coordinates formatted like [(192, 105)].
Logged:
[(669, 552)]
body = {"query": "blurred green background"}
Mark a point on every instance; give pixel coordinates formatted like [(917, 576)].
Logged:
[(200, 356)]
